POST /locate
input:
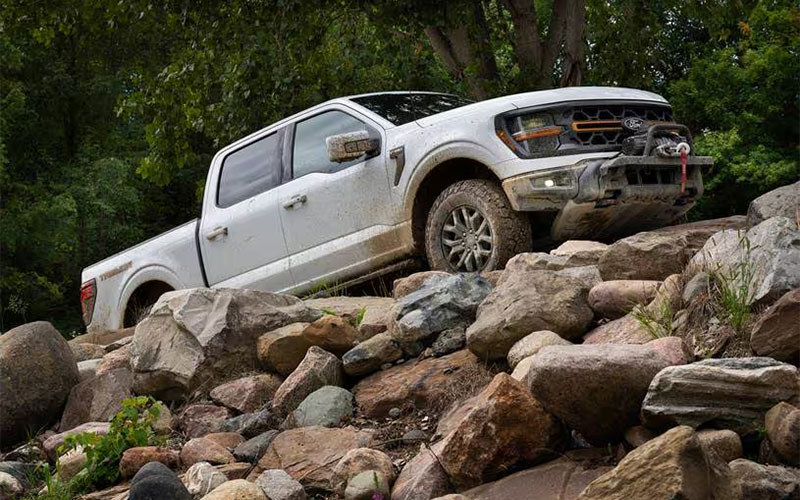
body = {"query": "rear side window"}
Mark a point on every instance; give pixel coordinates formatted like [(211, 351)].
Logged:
[(311, 152), (250, 170)]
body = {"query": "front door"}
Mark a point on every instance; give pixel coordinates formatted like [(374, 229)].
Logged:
[(336, 216), (240, 233)]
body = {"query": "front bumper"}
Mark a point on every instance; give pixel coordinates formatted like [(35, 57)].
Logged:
[(608, 198)]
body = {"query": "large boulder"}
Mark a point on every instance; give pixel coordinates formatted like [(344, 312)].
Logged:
[(318, 369), (598, 389), (561, 479), (201, 334), (332, 333), (765, 259), (732, 393), (755, 481), (247, 394), (526, 302), (777, 334), (781, 202), (310, 454), (421, 384), (97, 399), (654, 255), (580, 252), (501, 428), (440, 304), (673, 465), (38, 371), (614, 299)]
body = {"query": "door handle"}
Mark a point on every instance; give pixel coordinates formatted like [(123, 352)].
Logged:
[(294, 201), (217, 231)]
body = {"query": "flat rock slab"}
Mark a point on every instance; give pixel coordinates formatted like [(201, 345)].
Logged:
[(732, 393)]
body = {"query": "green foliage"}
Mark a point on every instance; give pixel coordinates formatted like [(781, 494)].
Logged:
[(733, 289), (131, 427), (658, 323)]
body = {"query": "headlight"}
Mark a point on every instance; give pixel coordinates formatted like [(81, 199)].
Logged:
[(530, 133)]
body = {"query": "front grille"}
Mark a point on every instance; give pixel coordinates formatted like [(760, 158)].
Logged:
[(602, 125)]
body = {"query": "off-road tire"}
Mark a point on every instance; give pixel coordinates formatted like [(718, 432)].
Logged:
[(510, 230)]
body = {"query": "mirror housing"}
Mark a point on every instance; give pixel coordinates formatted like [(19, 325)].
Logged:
[(351, 145)]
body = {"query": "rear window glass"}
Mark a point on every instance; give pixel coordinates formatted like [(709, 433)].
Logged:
[(404, 108), (250, 170)]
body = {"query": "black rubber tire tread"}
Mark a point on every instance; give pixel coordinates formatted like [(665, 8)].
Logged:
[(511, 230)]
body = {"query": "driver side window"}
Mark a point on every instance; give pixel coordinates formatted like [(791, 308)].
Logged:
[(310, 153)]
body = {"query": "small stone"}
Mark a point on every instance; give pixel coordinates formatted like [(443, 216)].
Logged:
[(531, 344), (238, 489), (228, 440), (357, 461), (724, 443), (248, 424), (197, 420), (365, 485), (247, 394), (202, 478), (278, 485), (414, 436), (204, 450), (783, 430), (766, 482), (254, 448), (9, 484), (134, 459), (328, 406)]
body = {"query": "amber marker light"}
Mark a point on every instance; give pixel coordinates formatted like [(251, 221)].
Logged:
[(524, 135)]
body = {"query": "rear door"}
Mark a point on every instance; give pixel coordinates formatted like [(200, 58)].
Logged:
[(336, 216), (240, 232)]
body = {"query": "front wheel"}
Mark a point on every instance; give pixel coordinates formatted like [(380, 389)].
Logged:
[(471, 227)]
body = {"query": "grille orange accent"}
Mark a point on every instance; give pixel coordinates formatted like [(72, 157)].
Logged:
[(596, 125)]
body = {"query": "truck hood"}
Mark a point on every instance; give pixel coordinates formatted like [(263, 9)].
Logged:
[(507, 103)]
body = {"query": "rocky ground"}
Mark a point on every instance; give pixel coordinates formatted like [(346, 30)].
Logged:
[(661, 366)]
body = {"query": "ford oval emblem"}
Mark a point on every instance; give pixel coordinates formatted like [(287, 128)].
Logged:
[(632, 123)]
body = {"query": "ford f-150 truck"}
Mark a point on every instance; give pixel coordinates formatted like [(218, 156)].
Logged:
[(358, 183)]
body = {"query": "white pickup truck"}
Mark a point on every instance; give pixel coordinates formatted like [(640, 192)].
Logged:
[(358, 183)]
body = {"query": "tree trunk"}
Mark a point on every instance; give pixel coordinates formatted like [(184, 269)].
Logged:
[(572, 67)]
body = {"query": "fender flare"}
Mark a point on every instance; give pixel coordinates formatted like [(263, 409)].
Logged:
[(153, 272), (466, 150)]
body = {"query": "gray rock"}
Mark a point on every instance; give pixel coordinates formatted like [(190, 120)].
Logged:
[(85, 352), (730, 393), (278, 485), (598, 389), (155, 481), (534, 261), (10, 485), (38, 371), (370, 355), (767, 256), (318, 369), (781, 202), (196, 335), (248, 424), (328, 406), (439, 305), (246, 394), (395, 412), (201, 479), (589, 276), (197, 420), (21, 471), (526, 302), (254, 448), (357, 461), (449, 341), (364, 485), (581, 252), (765, 482), (777, 334)]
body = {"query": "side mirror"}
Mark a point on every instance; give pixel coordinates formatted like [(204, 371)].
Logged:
[(351, 145)]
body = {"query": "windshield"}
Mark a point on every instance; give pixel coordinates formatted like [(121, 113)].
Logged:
[(404, 108)]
